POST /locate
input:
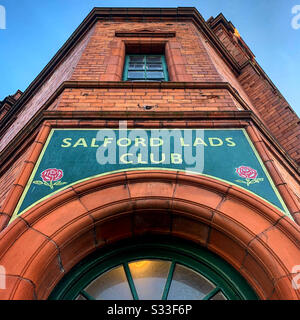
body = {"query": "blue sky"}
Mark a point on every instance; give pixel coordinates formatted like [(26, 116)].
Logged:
[(36, 29)]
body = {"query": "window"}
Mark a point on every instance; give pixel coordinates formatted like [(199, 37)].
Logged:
[(151, 280), (145, 68), (153, 270)]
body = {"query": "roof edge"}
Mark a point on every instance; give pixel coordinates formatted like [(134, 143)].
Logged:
[(98, 13)]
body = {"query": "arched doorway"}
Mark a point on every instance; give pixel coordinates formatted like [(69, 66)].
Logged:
[(54, 236), (152, 269)]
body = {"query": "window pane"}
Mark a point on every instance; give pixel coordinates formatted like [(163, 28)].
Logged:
[(155, 75), (152, 66), (188, 285), (80, 297), (149, 277), (136, 58), (153, 59), (112, 285), (219, 296), (136, 66), (136, 75)]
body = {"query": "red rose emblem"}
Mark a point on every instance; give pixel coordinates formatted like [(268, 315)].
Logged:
[(246, 172), (51, 175), (51, 178)]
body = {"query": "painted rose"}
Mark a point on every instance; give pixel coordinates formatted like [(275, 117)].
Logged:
[(246, 172), (52, 175), (51, 178)]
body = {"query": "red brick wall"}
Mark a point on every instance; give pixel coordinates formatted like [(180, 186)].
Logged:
[(226, 73), (105, 50), (187, 60), (10, 176), (128, 99), (282, 121), (269, 104), (231, 44)]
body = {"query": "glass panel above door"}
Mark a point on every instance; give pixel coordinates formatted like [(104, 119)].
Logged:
[(188, 285), (149, 277), (111, 285)]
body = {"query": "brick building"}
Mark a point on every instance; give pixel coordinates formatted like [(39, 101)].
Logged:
[(94, 207)]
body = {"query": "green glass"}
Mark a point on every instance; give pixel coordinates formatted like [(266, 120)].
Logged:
[(145, 68)]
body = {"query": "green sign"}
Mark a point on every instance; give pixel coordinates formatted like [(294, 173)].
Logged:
[(74, 155)]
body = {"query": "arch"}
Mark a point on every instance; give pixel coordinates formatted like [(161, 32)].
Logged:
[(170, 253), (256, 239)]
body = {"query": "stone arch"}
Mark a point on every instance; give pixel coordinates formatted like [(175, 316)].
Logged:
[(43, 244)]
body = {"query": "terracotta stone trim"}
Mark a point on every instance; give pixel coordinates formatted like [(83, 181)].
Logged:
[(281, 160), (231, 119), (221, 22), (256, 239), (110, 119), (213, 22), (150, 115), (41, 116), (20, 184), (153, 85), (67, 120), (26, 286), (284, 191), (176, 65), (4, 125), (168, 85), (115, 62), (145, 34), (11, 157)]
